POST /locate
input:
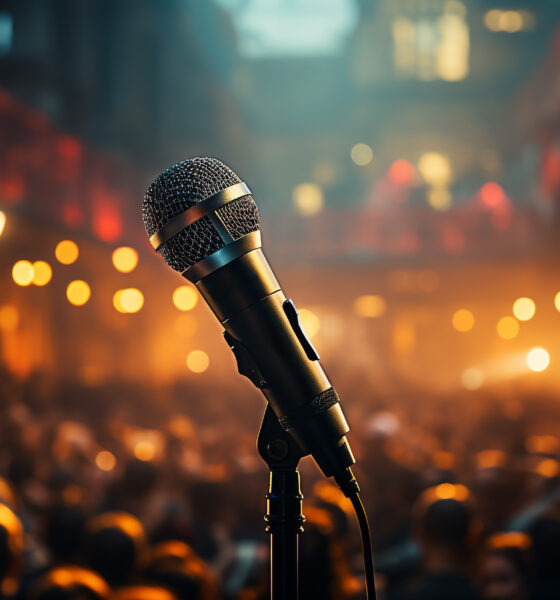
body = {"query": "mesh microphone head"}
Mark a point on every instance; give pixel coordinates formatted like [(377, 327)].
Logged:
[(183, 185)]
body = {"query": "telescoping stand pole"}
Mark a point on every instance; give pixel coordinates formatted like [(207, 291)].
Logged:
[(284, 504)]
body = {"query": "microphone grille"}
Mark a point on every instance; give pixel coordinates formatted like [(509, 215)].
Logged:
[(184, 185)]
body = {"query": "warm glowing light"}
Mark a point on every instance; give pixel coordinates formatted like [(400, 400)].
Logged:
[(491, 459), (439, 198), (492, 19), (492, 194), (435, 168), (452, 53), (557, 301), (42, 273), (538, 359), (308, 199), (401, 171), (510, 21), (309, 322), (370, 306), (144, 450), (361, 154), (78, 292), (22, 272), (66, 252), (185, 297), (542, 444), (472, 379), (507, 328), (548, 468), (463, 320), (129, 300), (105, 460), (198, 361), (524, 309), (125, 259), (2, 221), (9, 317)]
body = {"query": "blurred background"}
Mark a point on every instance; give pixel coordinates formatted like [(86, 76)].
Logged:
[(405, 157)]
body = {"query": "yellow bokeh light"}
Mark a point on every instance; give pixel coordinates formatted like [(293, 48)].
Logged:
[(309, 322), (510, 21), (507, 328), (144, 450), (435, 168), (22, 272), (492, 19), (42, 273), (361, 154), (198, 361), (524, 309), (105, 460), (439, 198), (3, 220), (185, 297), (371, 306), (66, 252), (129, 300), (9, 317), (125, 259), (557, 301), (538, 359), (463, 320), (78, 292), (308, 199), (472, 379)]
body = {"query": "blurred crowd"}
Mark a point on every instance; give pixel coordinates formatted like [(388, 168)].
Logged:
[(111, 491)]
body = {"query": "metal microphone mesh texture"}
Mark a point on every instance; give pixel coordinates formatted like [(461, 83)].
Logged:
[(183, 185)]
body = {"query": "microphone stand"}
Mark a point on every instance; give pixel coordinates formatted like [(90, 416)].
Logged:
[(283, 504)]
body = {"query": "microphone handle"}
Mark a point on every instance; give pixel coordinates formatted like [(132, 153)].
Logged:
[(272, 349)]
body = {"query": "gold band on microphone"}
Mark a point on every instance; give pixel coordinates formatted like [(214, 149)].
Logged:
[(196, 212)]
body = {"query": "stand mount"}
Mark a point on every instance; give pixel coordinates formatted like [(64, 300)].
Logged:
[(283, 504)]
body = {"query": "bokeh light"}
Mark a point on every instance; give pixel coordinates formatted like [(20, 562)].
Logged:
[(22, 273), (309, 321), (308, 199), (524, 309), (557, 301), (472, 378), (507, 328), (402, 171), (105, 460), (435, 169), (371, 306), (548, 467), (78, 292), (42, 273), (185, 297), (198, 361), (125, 259), (66, 252), (129, 300), (3, 220), (439, 198), (144, 450), (463, 320), (538, 359), (492, 194), (9, 317), (361, 154)]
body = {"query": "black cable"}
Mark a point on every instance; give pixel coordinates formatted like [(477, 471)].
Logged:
[(366, 544)]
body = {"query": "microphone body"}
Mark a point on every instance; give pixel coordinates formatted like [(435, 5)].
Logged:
[(272, 349)]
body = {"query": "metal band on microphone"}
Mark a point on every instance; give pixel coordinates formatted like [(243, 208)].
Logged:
[(196, 212), (222, 257)]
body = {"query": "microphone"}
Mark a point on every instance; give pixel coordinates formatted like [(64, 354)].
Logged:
[(202, 219)]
